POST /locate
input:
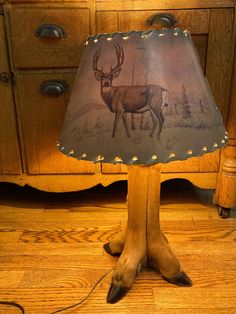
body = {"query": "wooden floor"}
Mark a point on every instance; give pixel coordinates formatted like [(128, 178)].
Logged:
[(51, 251)]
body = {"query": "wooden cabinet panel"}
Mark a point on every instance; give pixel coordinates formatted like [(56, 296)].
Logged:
[(231, 125), (10, 161), (107, 5), (42, 118), (31, 51), (118, 168), (83, 3), (197, 21), (220, 57), (106, 22)]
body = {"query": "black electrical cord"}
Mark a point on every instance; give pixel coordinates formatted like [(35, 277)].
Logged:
[(20, 307), (88, 295), (14, 304)]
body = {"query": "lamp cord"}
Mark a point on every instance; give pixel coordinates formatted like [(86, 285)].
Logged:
[(14, 304), (88, 295), (21, 308)]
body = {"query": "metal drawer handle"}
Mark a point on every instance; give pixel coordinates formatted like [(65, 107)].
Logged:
[(54, 87), (164, 19), (50, 31), (5, 77)]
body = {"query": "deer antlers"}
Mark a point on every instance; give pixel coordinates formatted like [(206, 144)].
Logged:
[(119, 56), (95, 60)]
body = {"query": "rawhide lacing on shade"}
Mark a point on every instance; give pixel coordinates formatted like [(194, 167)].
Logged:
[(135, 159), (126, 35), (140, 97)]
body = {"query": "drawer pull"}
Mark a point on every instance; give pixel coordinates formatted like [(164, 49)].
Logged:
[(5, 77), (54, 88), (50, 31), (164, 19)]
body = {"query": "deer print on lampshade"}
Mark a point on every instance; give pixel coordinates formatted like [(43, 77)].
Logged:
[(141, 98), (129, 99)]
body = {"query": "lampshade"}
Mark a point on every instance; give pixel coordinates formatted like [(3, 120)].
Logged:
[(141, 98)]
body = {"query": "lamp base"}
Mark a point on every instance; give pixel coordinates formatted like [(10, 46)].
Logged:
[(142, 242)]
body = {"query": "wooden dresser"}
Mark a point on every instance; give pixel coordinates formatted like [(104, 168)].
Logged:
[(41, 42)]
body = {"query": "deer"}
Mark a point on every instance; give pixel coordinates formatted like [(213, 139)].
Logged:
[(134, 99)]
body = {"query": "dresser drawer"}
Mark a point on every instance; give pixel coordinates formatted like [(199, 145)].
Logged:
[(196, 21), (48, 37), (43, 103)]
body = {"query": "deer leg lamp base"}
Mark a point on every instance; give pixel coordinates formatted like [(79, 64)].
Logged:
[(143, 242), (154, 75)]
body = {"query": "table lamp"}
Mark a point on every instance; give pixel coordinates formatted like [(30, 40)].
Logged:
[(141, 98)]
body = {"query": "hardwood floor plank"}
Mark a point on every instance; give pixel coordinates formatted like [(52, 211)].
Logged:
[(86, 278), (8, 236), (194, 297), (62, 216), (86, 234), (59, 224), (189, 261), (47, 249), (198, 311), (217, 248), (104, 233), (51, 254), (18, 262), (11, 278), (198, 224), (46, 300)]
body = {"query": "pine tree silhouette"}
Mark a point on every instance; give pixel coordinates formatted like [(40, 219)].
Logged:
[(99, 123), (176, 108), (201, 106), (186, 107), (85, 126)]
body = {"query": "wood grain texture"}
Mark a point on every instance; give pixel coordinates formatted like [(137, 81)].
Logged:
[(76, 182), (10, 161), (197, 21), (161, 5), (81, 3), (225, 194), (220, 57), (227, 176), (30, 51), (106, 22), (193, 298), (232, 107), (64, 266), (42, 118)]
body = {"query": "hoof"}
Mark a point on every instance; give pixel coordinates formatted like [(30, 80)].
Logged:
[(108, 250), (181, 279), (116, 293)]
